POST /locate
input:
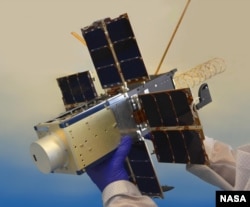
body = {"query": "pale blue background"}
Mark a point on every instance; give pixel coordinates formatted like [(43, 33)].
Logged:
[(36, 47)]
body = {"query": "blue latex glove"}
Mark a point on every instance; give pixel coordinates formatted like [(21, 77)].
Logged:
[(111, 169)]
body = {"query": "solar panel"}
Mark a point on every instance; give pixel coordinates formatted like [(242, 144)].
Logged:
[(142, 171), (77, 88), (114, 52), (175, 128)]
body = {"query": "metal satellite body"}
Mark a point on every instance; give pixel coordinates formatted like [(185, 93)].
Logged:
[(134, 104)]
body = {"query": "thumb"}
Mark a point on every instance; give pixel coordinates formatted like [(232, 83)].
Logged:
[(123, 149)]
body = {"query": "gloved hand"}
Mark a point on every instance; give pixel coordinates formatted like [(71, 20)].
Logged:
[(111, 169)]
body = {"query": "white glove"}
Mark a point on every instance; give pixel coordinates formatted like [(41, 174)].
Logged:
[(229, 169)]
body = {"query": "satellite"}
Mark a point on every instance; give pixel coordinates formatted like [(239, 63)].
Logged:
[(146, 107)]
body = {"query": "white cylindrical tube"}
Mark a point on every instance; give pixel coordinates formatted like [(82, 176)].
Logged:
[(49, 153)]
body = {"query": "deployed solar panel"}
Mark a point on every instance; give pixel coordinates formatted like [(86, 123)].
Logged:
[(76, 89), (114, 52), (175, 128), (142, 171)]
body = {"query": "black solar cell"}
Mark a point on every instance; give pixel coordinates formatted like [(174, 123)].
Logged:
[(65, 89), (120, 28)]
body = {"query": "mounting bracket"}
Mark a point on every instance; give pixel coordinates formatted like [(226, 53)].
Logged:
[(204, 96)]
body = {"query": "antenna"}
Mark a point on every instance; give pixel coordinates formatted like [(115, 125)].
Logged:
[(77, 36), (200, 73), (172, 37)]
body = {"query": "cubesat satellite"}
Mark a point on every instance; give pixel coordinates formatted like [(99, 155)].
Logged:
[(134, 103)]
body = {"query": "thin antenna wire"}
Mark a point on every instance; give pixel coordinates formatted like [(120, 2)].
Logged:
[(172, 37), (77, 36)]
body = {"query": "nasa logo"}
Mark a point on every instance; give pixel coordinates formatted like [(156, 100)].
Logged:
[(232, 198)]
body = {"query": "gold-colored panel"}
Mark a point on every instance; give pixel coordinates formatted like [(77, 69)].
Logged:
[(93, 137)]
